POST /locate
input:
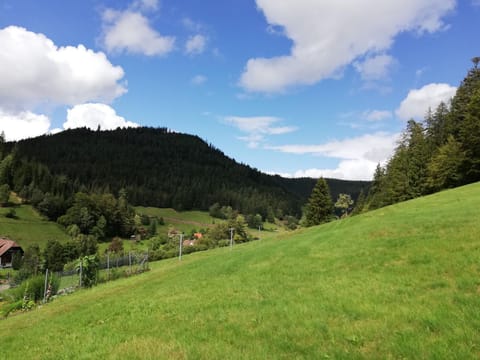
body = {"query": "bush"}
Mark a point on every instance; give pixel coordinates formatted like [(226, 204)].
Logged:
[(116, 245), (21, 275), (34, 287), (88, 265), (157, 241), (222, 243)]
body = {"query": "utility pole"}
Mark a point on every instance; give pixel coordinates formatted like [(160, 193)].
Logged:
[(181, 245), (231, 238)]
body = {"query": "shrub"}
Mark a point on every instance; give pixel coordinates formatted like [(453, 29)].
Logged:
[(116, 245), (88, 265), (34, 288)]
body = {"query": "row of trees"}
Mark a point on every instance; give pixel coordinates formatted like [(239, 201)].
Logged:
[(441, 152)]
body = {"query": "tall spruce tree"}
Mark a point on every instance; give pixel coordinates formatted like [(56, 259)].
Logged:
[(319, 207), (470, 137)]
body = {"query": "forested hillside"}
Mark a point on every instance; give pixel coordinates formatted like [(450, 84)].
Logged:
[(156, 167)]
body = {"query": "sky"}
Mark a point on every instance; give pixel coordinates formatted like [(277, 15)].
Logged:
[(291, 87)]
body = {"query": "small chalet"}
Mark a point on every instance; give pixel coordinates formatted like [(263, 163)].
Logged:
[(7, 249)]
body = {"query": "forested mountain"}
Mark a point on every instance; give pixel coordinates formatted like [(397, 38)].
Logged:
[(156, 167)]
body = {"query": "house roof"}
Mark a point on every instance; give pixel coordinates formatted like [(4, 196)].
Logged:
[(7, 244)]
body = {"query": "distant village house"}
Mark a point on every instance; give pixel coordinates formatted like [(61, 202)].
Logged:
[(7, 249)]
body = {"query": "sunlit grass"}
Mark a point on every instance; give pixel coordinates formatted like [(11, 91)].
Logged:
[(399, 282), (29, 227)]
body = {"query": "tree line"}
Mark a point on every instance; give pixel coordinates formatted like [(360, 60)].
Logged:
[(441, 152)]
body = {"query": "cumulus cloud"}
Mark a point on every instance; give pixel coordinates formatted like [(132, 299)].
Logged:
[(328, 35), (199, 79), (375, 67), (257, 127), (418, 101), (130, 31), (92, 115), (358, 156), (23, 124), (33, 71), (195, 44)]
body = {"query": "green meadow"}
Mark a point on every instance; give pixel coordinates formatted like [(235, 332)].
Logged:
[(402, 282), (29, 227), (184, 221)]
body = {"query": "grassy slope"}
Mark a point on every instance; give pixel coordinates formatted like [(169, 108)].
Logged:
[(400, 282), (184, 221), (29, 227)]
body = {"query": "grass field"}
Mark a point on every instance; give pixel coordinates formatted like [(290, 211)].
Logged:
[(184, 221), (29, 227), (402, 282)]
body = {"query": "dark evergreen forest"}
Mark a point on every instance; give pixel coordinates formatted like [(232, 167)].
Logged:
[(155, 167)]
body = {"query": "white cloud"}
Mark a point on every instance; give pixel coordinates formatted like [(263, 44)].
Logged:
[(92, 115), (191, 25), (131, 32), (375, 67), (347, 170), (23, 124), (418, 101), (33, 71), (358, 156), (195, 44), (257, 127), (377, 115), (198, 80), (328, 35)]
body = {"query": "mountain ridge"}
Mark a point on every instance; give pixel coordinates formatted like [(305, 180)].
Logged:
[(161, 168)]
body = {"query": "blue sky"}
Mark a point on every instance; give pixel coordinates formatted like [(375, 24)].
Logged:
[(294, 87)]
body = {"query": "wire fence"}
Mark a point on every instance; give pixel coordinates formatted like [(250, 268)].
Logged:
[(110, 267)]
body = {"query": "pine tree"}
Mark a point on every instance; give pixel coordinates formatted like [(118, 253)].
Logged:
[(444, 168), (320, 207), (470, 138)]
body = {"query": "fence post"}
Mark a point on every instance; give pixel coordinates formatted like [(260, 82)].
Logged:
[(45, 286), (180, 247), (81, 270), (108, 265)]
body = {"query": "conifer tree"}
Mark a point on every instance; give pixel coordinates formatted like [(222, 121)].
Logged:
[(320, 207), (444, 168), (470, 137)]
